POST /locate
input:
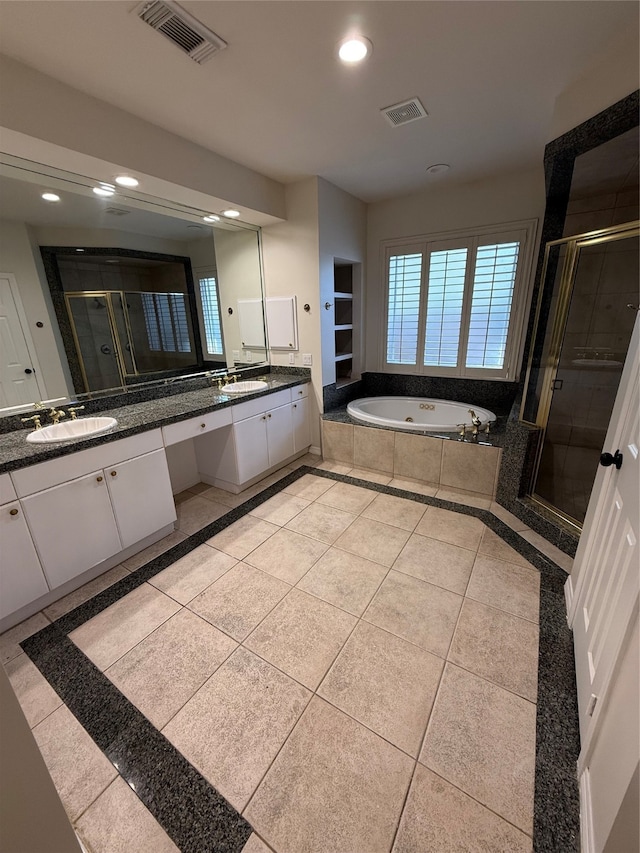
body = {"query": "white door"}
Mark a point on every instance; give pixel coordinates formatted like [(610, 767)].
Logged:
[(140, 491), (606, 566), (18, 382)]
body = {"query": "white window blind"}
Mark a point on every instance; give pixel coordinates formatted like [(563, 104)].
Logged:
[(211, 315), (165, 317), (452, 305), (405, 272), (445, 294), (493, 283)]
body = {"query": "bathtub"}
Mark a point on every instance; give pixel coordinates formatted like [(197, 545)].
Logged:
[(416, 413)]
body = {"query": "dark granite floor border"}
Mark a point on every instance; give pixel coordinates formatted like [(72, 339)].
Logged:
[(192, 812)]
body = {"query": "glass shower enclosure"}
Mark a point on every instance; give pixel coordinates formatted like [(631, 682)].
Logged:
[(590, 295)]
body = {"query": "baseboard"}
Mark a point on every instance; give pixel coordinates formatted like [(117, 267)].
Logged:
[(317, 451)]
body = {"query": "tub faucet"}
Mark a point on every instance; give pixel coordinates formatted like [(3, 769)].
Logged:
[(476, 421)]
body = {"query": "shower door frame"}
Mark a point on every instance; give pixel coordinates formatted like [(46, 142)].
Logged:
[(113, 328), (574, 244)]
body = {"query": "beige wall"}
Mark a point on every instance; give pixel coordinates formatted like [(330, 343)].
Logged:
[(291, 266), (500, 200), (32, 817), (611, 76), (34, 104)]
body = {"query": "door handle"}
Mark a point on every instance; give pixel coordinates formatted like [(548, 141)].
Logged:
[(28, 370), (607, 459), (557, 384)]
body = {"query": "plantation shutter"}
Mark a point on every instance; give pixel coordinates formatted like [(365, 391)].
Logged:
[(493, 283), (445, 295), (211, 315), (405, 272)]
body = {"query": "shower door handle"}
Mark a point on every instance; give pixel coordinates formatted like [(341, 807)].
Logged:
[(557, 384), (607, 459)]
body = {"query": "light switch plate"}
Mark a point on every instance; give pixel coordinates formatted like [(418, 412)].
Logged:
[(247, 355), (306, 359), (236, 355), (292, 358)]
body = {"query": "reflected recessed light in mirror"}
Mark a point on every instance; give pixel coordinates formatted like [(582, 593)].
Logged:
[(127, 181), (211, 218), (50, 197), (231, 214), (104, 192), (354, 49), (438, 169)]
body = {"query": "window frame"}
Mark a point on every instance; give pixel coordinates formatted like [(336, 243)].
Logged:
[(525, 232)]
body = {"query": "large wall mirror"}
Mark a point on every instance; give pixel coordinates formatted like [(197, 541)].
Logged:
[(143, 289)]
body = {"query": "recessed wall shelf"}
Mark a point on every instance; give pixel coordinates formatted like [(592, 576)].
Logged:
[(343, 322)]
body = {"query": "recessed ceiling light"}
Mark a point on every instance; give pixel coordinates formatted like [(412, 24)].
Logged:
[(354, 49), (211, 218), (127, 181), (438, 169), (104, 192), (231, 214), (50, 197), (79, 250)]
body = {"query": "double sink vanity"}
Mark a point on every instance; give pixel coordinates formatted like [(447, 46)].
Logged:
[(71, 509)]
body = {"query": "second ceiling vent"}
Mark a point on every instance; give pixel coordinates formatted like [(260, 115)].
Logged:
[(197, 41), (404, 112)]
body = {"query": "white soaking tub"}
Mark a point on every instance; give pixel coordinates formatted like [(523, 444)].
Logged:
[(417, 413)]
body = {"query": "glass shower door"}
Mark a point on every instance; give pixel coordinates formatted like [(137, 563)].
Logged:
[(602, 285), (95, 340)]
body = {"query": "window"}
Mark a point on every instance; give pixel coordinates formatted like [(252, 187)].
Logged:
[(165, 316), (211, 315), (451, 304)]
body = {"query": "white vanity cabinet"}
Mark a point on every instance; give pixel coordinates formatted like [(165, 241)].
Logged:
[(96, 503), (265, 433), (21, 577)]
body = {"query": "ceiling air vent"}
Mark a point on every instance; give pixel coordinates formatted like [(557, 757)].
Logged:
[(404, 112), (196, 40), (116, 211)]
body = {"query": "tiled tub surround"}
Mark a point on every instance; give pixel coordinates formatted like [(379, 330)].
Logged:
[(305, 655), (435, 462)]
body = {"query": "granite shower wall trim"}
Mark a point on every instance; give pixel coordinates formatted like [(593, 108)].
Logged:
[(193, 813)]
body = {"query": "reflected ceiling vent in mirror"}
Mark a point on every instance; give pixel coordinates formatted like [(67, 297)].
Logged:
[(404, 112), (116, 211), (196, 40)]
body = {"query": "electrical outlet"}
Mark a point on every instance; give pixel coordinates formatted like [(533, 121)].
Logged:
[(292, 358), (248, 355), (236, 355), (306, 359)]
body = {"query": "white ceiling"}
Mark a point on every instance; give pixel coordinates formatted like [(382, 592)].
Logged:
[(278, 101)]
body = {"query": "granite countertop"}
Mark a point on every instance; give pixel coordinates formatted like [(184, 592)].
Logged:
[(16, 452)]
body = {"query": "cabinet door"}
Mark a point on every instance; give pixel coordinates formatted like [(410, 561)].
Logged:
[(141, 495), (21, 577), (251, 447), (301, 426), (73, 527), (279, 434)]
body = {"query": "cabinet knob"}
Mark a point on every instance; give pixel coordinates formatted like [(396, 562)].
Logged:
[(264, 417), (98, 479), (13, 511), (269, 415), (300, 393), (295, 405), (114, 473), (202, 426)]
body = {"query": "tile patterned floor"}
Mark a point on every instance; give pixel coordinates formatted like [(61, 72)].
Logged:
[(338, 665)]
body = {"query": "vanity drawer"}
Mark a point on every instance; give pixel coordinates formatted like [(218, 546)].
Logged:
[(241, 411), (299, 392), (44, 475), (175, 433)]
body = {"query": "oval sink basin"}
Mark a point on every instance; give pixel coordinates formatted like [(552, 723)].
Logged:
[(248, 386), (79, 428)]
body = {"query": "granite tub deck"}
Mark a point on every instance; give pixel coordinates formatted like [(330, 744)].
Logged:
[(290, 773), (438, 459), (133, 418)]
